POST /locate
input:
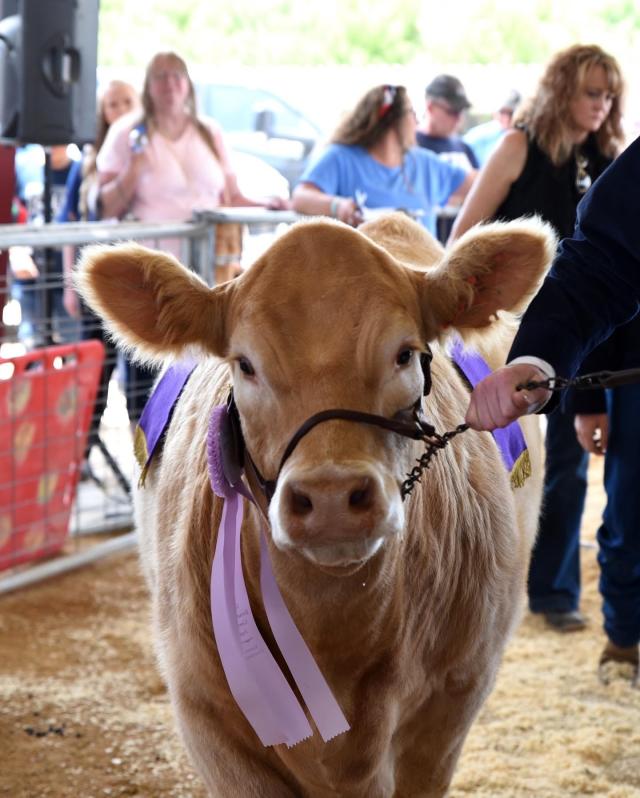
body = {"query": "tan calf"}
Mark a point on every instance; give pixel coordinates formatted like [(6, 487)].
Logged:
[(406, 606)]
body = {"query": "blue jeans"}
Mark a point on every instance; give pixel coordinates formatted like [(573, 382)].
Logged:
[(554, 573), (619, 535)]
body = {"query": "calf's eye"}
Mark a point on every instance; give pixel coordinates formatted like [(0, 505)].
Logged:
[(245, 366), (404, 356)]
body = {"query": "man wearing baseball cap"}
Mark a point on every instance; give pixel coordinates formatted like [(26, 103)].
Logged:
[(446, 101)]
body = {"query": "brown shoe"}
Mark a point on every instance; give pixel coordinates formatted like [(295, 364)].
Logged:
[(617, 662), (571, 621)]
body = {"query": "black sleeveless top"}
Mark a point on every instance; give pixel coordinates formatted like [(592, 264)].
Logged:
[(550, 190)]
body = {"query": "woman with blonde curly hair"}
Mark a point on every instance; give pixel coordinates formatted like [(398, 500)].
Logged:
[(564, 137)]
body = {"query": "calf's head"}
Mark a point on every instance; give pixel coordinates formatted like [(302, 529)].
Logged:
[(329, 317)]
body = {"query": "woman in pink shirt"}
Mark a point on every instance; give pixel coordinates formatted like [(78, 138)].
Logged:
[(163, 166)]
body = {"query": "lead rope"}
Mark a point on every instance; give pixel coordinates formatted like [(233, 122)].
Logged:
[(598, 379)]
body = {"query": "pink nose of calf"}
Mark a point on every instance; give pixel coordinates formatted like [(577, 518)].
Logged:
[(332, 505)]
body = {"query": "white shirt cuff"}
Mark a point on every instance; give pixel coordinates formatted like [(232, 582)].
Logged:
[(546, 368)]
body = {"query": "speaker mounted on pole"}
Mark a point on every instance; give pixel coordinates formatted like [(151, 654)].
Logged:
[(48, 62)]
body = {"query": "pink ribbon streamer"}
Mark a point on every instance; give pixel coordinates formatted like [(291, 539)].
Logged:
[(256, 682), (324, 708)]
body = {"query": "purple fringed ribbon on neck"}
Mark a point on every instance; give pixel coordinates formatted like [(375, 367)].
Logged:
[(254, 677), (510, 440)]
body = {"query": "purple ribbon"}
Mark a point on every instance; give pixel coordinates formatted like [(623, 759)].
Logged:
[(156, 413), (254, 677)]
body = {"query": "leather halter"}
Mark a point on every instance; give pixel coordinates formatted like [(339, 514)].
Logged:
[(417, 428)]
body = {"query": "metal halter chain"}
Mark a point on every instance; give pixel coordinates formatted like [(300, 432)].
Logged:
[(434, 443), (600, 379)]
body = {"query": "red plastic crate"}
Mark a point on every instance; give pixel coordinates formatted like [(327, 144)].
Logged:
[(46, 404)]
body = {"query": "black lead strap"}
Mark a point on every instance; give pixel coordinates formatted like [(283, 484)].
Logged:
[(415, 427), (598, 379)]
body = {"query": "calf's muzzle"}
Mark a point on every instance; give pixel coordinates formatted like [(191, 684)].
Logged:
[(333, 503)]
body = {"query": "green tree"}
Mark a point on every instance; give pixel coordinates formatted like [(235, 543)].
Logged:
[(270, 32), (358, 32)]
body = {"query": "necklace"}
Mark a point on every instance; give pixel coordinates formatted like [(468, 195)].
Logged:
[(583, 178)]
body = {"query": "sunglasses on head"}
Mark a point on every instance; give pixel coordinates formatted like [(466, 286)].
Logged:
[(388, 98)]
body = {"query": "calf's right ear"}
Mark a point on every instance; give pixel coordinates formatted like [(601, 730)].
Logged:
[(150, 302)]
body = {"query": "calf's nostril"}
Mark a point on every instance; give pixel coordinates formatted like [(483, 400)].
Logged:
[(301, 504), (361, 498)]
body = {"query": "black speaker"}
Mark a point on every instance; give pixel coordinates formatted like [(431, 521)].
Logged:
[(48, 61)]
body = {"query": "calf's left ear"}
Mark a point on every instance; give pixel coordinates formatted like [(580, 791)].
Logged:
[(492, 267), (150, 303)]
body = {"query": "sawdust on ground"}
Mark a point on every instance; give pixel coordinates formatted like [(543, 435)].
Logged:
[(83, 713)]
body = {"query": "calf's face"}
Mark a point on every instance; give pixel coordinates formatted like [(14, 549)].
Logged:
[(328, 318), (341, 329)]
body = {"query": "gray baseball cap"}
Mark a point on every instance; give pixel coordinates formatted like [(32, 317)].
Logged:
[(449, 89)]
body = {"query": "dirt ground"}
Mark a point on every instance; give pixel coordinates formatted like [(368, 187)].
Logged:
[(83, 713)]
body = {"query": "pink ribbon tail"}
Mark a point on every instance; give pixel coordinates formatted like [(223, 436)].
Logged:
[(322, 705), (255, 680), (259, 687)]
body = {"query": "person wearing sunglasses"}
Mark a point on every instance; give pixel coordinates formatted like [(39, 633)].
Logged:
[(445, 104), (564, 138)]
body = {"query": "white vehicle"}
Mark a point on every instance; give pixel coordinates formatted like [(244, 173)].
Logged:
[(258, 122)]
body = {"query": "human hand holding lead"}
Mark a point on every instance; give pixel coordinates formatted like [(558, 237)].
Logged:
[(496, 402)]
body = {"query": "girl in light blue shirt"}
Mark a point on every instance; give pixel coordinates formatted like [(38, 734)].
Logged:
[(372, 162)]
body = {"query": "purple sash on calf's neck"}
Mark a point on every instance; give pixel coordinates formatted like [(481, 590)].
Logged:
[(510, 440), (156, 414)]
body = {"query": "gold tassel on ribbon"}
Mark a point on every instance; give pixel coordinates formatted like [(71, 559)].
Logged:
[(141, 453), (521, 470)]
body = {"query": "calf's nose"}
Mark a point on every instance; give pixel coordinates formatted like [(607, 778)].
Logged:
[(303, 498), (323, 506)]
